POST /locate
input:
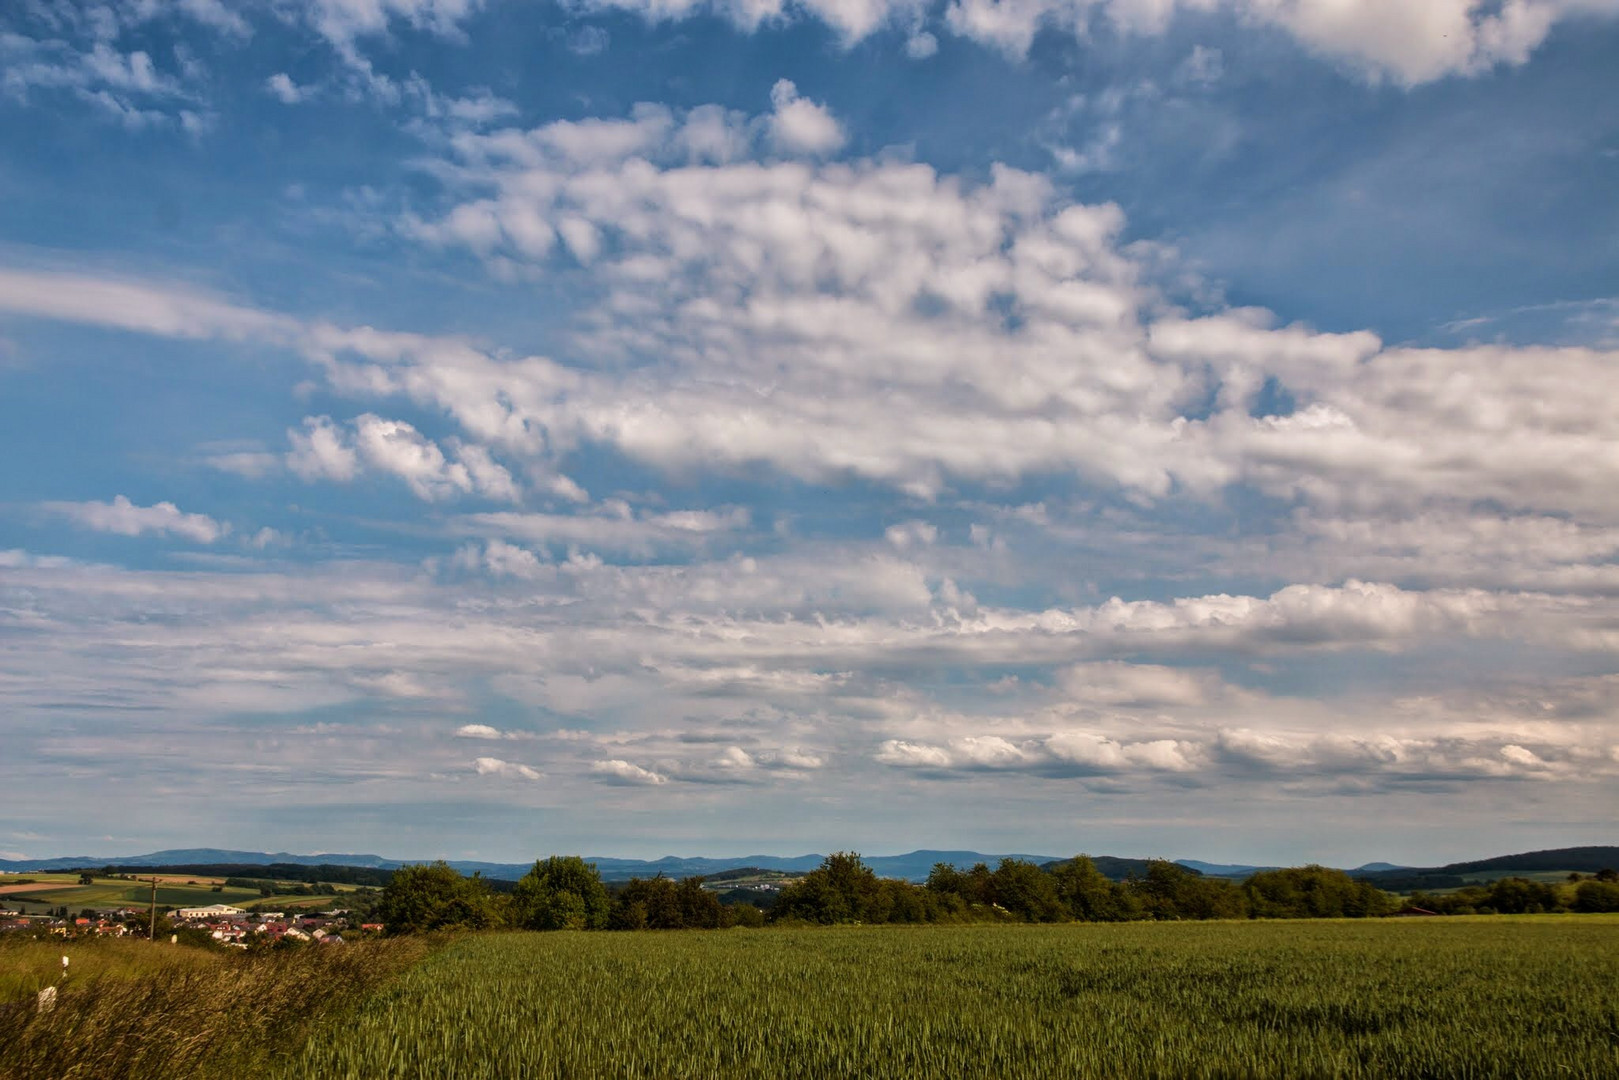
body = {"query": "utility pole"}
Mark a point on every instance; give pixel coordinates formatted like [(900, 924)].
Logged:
[(151, 933)]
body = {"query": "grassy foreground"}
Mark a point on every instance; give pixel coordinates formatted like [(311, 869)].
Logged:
[(132, 1010), (1465, 998)]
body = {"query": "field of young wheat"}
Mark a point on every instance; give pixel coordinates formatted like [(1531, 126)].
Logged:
[(1464, 998)]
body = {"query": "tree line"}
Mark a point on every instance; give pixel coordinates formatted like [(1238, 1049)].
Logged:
[(1522, 896), (565, 892)]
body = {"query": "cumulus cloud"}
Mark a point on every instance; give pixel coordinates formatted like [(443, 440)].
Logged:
[(880, 320), (324, 450), (321, 451), (125, 518), (800, 126)]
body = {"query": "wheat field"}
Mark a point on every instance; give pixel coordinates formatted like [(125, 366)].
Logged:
[(1464, 998)]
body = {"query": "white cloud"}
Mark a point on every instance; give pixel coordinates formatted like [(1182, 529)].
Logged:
[(613, 526), (851, 319), (1116, 683), (146, 307), (281, 86), (321, 452), (1086, 751), (490, 766), (921, 45), (911, 534), (1407, 42), (327, 451), (393, 446), (249, 464), (800, 126), (792, 758), (343, 22), (476, 731), (126, 85), (124, 518), (619, 771)]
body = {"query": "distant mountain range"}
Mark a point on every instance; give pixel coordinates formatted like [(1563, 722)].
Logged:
[(913, 866)]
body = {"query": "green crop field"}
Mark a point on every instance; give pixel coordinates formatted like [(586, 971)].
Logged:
[(1462, 997)]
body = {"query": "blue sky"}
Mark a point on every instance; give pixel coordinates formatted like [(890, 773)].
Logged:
[(486, 428)]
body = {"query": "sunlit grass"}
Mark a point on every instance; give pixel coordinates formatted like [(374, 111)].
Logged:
[(1465, 998)]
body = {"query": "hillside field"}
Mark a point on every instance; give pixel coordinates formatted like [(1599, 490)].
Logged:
[(51, 890), (1527, 996)]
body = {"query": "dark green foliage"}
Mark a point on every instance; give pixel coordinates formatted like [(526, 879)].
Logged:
[(1090, 896), (1170, 891), (1018, 889), (661, 903), (1026, 891), (435, 897), (1509, 896), (843, 889), (1520, 896), (562, 892), (1313, 892), (1594, 896)]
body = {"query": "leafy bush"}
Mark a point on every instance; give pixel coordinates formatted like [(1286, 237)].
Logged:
[(434, 897)]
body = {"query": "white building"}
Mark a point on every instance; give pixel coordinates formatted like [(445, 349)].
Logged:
[(212, 911)]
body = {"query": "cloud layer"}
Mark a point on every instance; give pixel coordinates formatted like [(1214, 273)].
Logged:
[(572, 470)]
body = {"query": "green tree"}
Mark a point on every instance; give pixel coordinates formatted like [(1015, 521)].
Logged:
[(1170, 891), (973, 887), (1090, 896), (1312, 892), (434, 896), (1026, 891), (562, 892), (1520, 896), (661, 903), (1596, 896), (841, 889)]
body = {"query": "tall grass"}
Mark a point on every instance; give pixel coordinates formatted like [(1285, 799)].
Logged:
[(1462, 998), (136, 1010)]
